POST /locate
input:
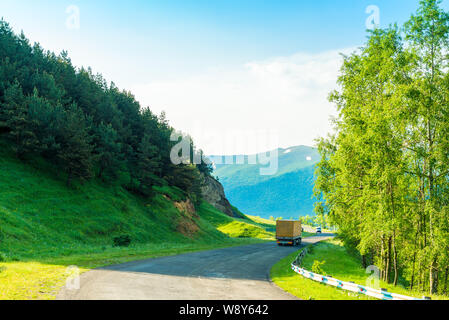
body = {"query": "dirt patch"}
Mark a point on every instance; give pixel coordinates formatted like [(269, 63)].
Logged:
[(185, 207), (187, 227), (186, 223)]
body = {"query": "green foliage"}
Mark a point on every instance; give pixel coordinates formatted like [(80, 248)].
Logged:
[(107, 150), (317, 267), (148, 166), (76, 154), (122, 241), (383, 177), (15, 115)]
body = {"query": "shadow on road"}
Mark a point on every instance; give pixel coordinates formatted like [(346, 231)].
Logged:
[(251, 262)]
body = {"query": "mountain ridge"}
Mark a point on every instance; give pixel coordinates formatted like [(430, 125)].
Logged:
[(287, 193)]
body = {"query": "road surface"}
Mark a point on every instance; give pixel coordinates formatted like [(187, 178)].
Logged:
[(237, 273)]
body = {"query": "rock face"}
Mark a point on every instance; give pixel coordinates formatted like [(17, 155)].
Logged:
[(213, 192)]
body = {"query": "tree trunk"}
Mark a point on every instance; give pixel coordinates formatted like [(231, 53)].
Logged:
[(388, 266), (395, 261), (419, 277), (433, 277), (413, 272), (382, 259), (364, 262), (445, 280)]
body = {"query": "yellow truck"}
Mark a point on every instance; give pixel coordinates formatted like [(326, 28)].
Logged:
[(288, 232)]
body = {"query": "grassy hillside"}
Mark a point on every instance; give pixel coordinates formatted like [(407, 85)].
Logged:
[(288, 193), (45, 226)]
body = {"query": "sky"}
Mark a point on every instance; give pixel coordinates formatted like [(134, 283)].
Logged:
[(238, 76)]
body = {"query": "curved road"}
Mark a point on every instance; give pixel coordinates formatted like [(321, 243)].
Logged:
[(225, 274)]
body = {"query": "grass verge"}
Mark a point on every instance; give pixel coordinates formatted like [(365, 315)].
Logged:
[(338, 263)]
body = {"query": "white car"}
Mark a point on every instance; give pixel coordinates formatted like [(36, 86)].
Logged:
[(318, 229)]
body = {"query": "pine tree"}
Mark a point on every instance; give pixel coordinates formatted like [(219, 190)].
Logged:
[(16, 118), (148, 166), (76, 148), (107, 150)]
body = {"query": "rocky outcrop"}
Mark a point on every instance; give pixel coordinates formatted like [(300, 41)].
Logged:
[(213, 192)]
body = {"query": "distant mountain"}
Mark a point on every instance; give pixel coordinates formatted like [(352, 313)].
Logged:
[(288, 193)]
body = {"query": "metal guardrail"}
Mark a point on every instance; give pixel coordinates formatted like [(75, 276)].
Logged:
[(349, 286)]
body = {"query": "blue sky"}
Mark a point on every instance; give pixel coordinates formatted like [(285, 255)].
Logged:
[(225, 51)]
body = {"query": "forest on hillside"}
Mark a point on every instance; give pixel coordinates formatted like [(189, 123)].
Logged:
[(86, 127), (383, 178)]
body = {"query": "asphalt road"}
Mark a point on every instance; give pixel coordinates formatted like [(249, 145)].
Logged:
[(225, 274)]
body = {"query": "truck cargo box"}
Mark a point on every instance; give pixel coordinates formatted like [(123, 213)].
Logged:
[(288, 229)]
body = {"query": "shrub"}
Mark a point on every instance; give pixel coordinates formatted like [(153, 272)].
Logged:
[(316, 267), (122, 241), (3, 257)]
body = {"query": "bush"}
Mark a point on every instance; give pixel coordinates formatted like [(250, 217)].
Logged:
[(3, 257), (310, 249), (122, 241), (316, 267)]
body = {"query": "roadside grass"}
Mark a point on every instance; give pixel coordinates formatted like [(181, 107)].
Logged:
[(237, 229), (267, 222), (340, 264)]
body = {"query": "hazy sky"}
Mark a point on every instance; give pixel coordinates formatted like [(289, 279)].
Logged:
[(223, 71)]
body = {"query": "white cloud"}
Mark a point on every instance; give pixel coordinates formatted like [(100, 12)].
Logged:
[(287, 95)]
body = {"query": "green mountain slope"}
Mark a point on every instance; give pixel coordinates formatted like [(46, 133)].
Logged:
[(288, 193)]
